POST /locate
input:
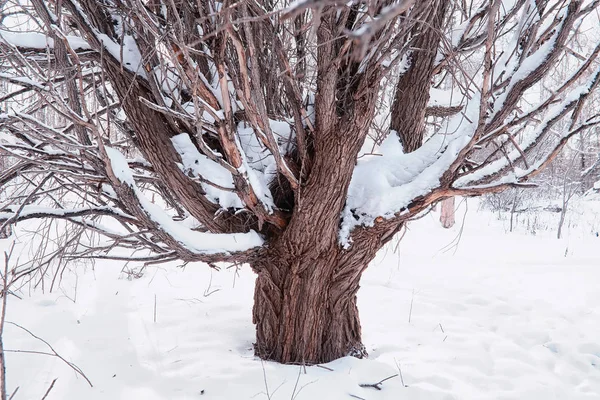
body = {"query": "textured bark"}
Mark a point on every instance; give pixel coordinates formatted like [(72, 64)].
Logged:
[(305, 297), (5, 231), (412, 92), (305, 306), (242, 65)]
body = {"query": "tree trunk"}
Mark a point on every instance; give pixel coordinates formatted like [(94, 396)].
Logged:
[(563, 211), (305, 306), (513, 209), (5, 231), (447, 215), (561, 222)]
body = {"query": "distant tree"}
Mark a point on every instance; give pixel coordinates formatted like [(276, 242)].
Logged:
[(447, 213), (5, 229), (297, 138)]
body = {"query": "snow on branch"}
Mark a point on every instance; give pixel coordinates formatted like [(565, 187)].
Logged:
[(39, 41), (391, 187), (385, 184), (126, 53), (220, 189), (193, 241), (22, 81), (493, 169), (16, 213), (251, 121)]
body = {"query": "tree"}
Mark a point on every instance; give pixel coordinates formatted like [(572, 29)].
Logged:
[(447, 213), (237, 132), (5, 231)]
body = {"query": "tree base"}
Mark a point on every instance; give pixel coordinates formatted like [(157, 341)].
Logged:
[(305, 309)]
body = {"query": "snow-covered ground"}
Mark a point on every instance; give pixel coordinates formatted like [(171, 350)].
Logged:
[(492, 316)]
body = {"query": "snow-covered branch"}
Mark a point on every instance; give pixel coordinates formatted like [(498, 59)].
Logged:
[(207, 134)]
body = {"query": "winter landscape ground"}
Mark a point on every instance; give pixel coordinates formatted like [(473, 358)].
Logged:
[(494, 315)]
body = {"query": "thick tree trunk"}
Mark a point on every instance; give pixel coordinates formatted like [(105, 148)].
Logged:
[(305, 307)]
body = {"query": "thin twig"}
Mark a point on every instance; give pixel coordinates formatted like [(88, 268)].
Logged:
[(357, 397), (14, 393), (324, 367), (54, 353), (378, 384), (296, 384), (7, 256), (49, 389), (265, 379)]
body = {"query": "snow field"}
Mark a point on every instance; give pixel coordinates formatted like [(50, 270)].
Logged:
[(501, 316)]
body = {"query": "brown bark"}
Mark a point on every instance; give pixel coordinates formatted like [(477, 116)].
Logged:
[(305, 300), (305, 306), (412, 91), (5, 231), (305, 297)]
